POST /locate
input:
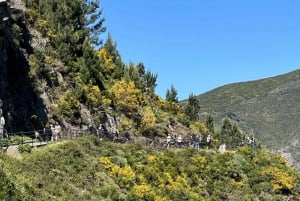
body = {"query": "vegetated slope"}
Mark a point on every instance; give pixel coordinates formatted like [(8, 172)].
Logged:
[(268, 107), (54, 70), (90, 169)]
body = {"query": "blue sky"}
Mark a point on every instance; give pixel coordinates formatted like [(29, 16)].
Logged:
[(199, 45)]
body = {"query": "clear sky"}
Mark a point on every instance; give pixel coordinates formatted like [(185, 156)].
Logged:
[(199, 45)]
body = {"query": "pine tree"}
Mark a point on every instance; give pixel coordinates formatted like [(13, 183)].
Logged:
[(226, 129), (94, 21), (111, 52), (192, 108), (171, 95), (92, 64), (209, 123), (72, 22), (230, 134), (148, 79)]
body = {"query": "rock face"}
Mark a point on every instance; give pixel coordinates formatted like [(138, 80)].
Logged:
[(24, 108), (4, 16), (20, 102)]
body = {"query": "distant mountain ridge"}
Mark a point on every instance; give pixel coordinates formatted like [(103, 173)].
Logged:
[(270, 108)]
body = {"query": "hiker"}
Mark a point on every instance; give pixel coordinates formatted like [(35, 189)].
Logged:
[(2, 123), (100, 131), (115, 133), (47, 131), (168, 141), (192, 142), (127, 136), (37, 136), (209, 141), (90, 128), (56, 129), (197, 142), (179, 141), (249, 140)]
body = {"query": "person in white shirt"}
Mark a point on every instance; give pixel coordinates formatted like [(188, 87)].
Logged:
[(179, 141), (168, 141)]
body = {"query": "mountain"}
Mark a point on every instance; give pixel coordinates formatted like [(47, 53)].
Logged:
[(267, 108)]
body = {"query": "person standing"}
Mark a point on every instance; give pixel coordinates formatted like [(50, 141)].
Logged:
[(179, 141), (2, 123), (100, 131), (209, 141), (197, 142), (47, 132), (168, 141)]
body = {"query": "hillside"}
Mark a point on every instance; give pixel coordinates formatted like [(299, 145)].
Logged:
[(90, 169), (57, 68), (61, 77), (268, 107)]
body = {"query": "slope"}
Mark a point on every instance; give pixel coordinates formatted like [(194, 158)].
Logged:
[(268, 107), (90, 169)]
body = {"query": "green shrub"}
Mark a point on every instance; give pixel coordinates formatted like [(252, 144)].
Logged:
[(18, 139), (17, 33), (24, 148), (69, 107)]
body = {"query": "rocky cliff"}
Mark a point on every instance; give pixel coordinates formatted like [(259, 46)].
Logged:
[(27, 101), (20, 102)]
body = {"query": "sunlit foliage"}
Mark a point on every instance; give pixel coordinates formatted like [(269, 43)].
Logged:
[(281, 180), (111, 171), (148, 118), (127, 97), (69, 106)]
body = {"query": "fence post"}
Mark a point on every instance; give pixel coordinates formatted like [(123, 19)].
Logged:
[(22, 138)]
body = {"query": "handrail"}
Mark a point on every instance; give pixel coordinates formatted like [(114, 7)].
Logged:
[(36, 137), (43, 138)]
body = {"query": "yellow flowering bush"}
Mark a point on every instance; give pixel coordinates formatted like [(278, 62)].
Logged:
[(280, 180), (148, 119), (142, 192), (127, 97), (124, 176)]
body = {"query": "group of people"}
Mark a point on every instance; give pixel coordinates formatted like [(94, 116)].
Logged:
[(195, 141), (51, 132)]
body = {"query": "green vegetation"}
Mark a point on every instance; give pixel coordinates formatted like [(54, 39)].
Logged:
[(90, 169), (83, 79), (233, 94), (75, 70), (267, 108), (77, 74)]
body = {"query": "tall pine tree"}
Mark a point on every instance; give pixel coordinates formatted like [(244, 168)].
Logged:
[(171, 95), (192, 108), (230, 134)]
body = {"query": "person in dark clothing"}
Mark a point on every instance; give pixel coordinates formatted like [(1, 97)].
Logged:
[(197, 142)]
